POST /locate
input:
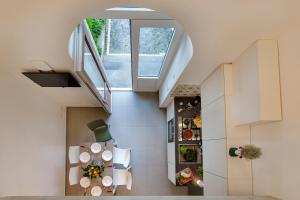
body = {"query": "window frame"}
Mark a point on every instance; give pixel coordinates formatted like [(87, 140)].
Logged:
[(151, 83)]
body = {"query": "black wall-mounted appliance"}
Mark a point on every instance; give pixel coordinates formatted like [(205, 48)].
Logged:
[(52, 79)]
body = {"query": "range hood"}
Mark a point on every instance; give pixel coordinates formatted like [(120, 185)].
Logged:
[(52, 79)]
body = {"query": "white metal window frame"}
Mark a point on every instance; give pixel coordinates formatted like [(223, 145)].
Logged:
[(151, 83), (83, 35)]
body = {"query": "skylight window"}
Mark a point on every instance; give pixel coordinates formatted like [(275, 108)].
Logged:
[(153, 48)]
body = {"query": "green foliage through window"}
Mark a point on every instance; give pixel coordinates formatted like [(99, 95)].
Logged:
[(97, 26)]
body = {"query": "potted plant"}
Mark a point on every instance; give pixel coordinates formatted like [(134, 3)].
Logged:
[(248, 151)]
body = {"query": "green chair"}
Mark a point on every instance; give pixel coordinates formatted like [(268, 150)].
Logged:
[(100, 129)]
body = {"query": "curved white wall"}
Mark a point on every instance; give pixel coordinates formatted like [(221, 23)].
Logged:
[(178, 65)]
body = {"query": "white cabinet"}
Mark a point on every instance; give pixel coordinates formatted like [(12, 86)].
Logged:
[(214, 134), (214, 157), (213, 87), (213, 119), (214, 185), (256, 86)]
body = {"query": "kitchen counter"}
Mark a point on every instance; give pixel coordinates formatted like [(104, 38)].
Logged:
[(182, 152)]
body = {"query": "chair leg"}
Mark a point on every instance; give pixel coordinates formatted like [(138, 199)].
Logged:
[(114, 190), (115, 144)]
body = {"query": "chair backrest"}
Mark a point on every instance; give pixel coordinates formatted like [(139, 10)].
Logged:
[(74, 175), (121, 156), (122, 177), (96, 124), (100, 129), (74, 152)]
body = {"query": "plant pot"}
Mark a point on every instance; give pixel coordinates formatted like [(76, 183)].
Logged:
[(234, 152)]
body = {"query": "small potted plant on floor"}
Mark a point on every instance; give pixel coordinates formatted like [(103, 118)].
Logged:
[(248, 151)]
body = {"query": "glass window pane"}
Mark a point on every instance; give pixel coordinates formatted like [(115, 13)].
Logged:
[(90, 67), (117, 56), (113, 40), (153, 47)]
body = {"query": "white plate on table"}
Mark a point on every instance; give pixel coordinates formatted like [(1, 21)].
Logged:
[(84, 157), (96, 147), (107, 155), (96, 191), (106, 181), (85, 182)]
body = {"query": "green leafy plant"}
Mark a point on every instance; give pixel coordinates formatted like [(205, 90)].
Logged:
[(93, 170), (250, 152), (199, 171), (97, 27), (190, 155)]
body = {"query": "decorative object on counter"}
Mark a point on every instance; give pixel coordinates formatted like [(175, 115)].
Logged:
[(200, 183), (184, 176), (100, 129), (199, 171), (93, 170), (188, 134), (197, 121), (248, 151), (189, 153), (180, 110), (186, 123), (193, 103)]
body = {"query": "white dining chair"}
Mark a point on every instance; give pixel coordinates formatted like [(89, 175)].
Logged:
[(121, 177), (74, 175), (74, 152), (121, 156)]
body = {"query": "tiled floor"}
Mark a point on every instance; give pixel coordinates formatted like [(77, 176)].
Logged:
[(138, 123)]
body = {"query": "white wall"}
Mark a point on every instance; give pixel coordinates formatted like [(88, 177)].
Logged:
[(178, 65), (32, 144), (277, 172)]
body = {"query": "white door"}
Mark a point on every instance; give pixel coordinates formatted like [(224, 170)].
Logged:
[(153, 44)]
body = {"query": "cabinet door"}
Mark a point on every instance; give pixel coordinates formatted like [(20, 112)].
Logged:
[(213, 119), (214, 185), (213, 87)]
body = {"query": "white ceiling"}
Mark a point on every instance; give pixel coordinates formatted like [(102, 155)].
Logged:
[(220, 30)]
